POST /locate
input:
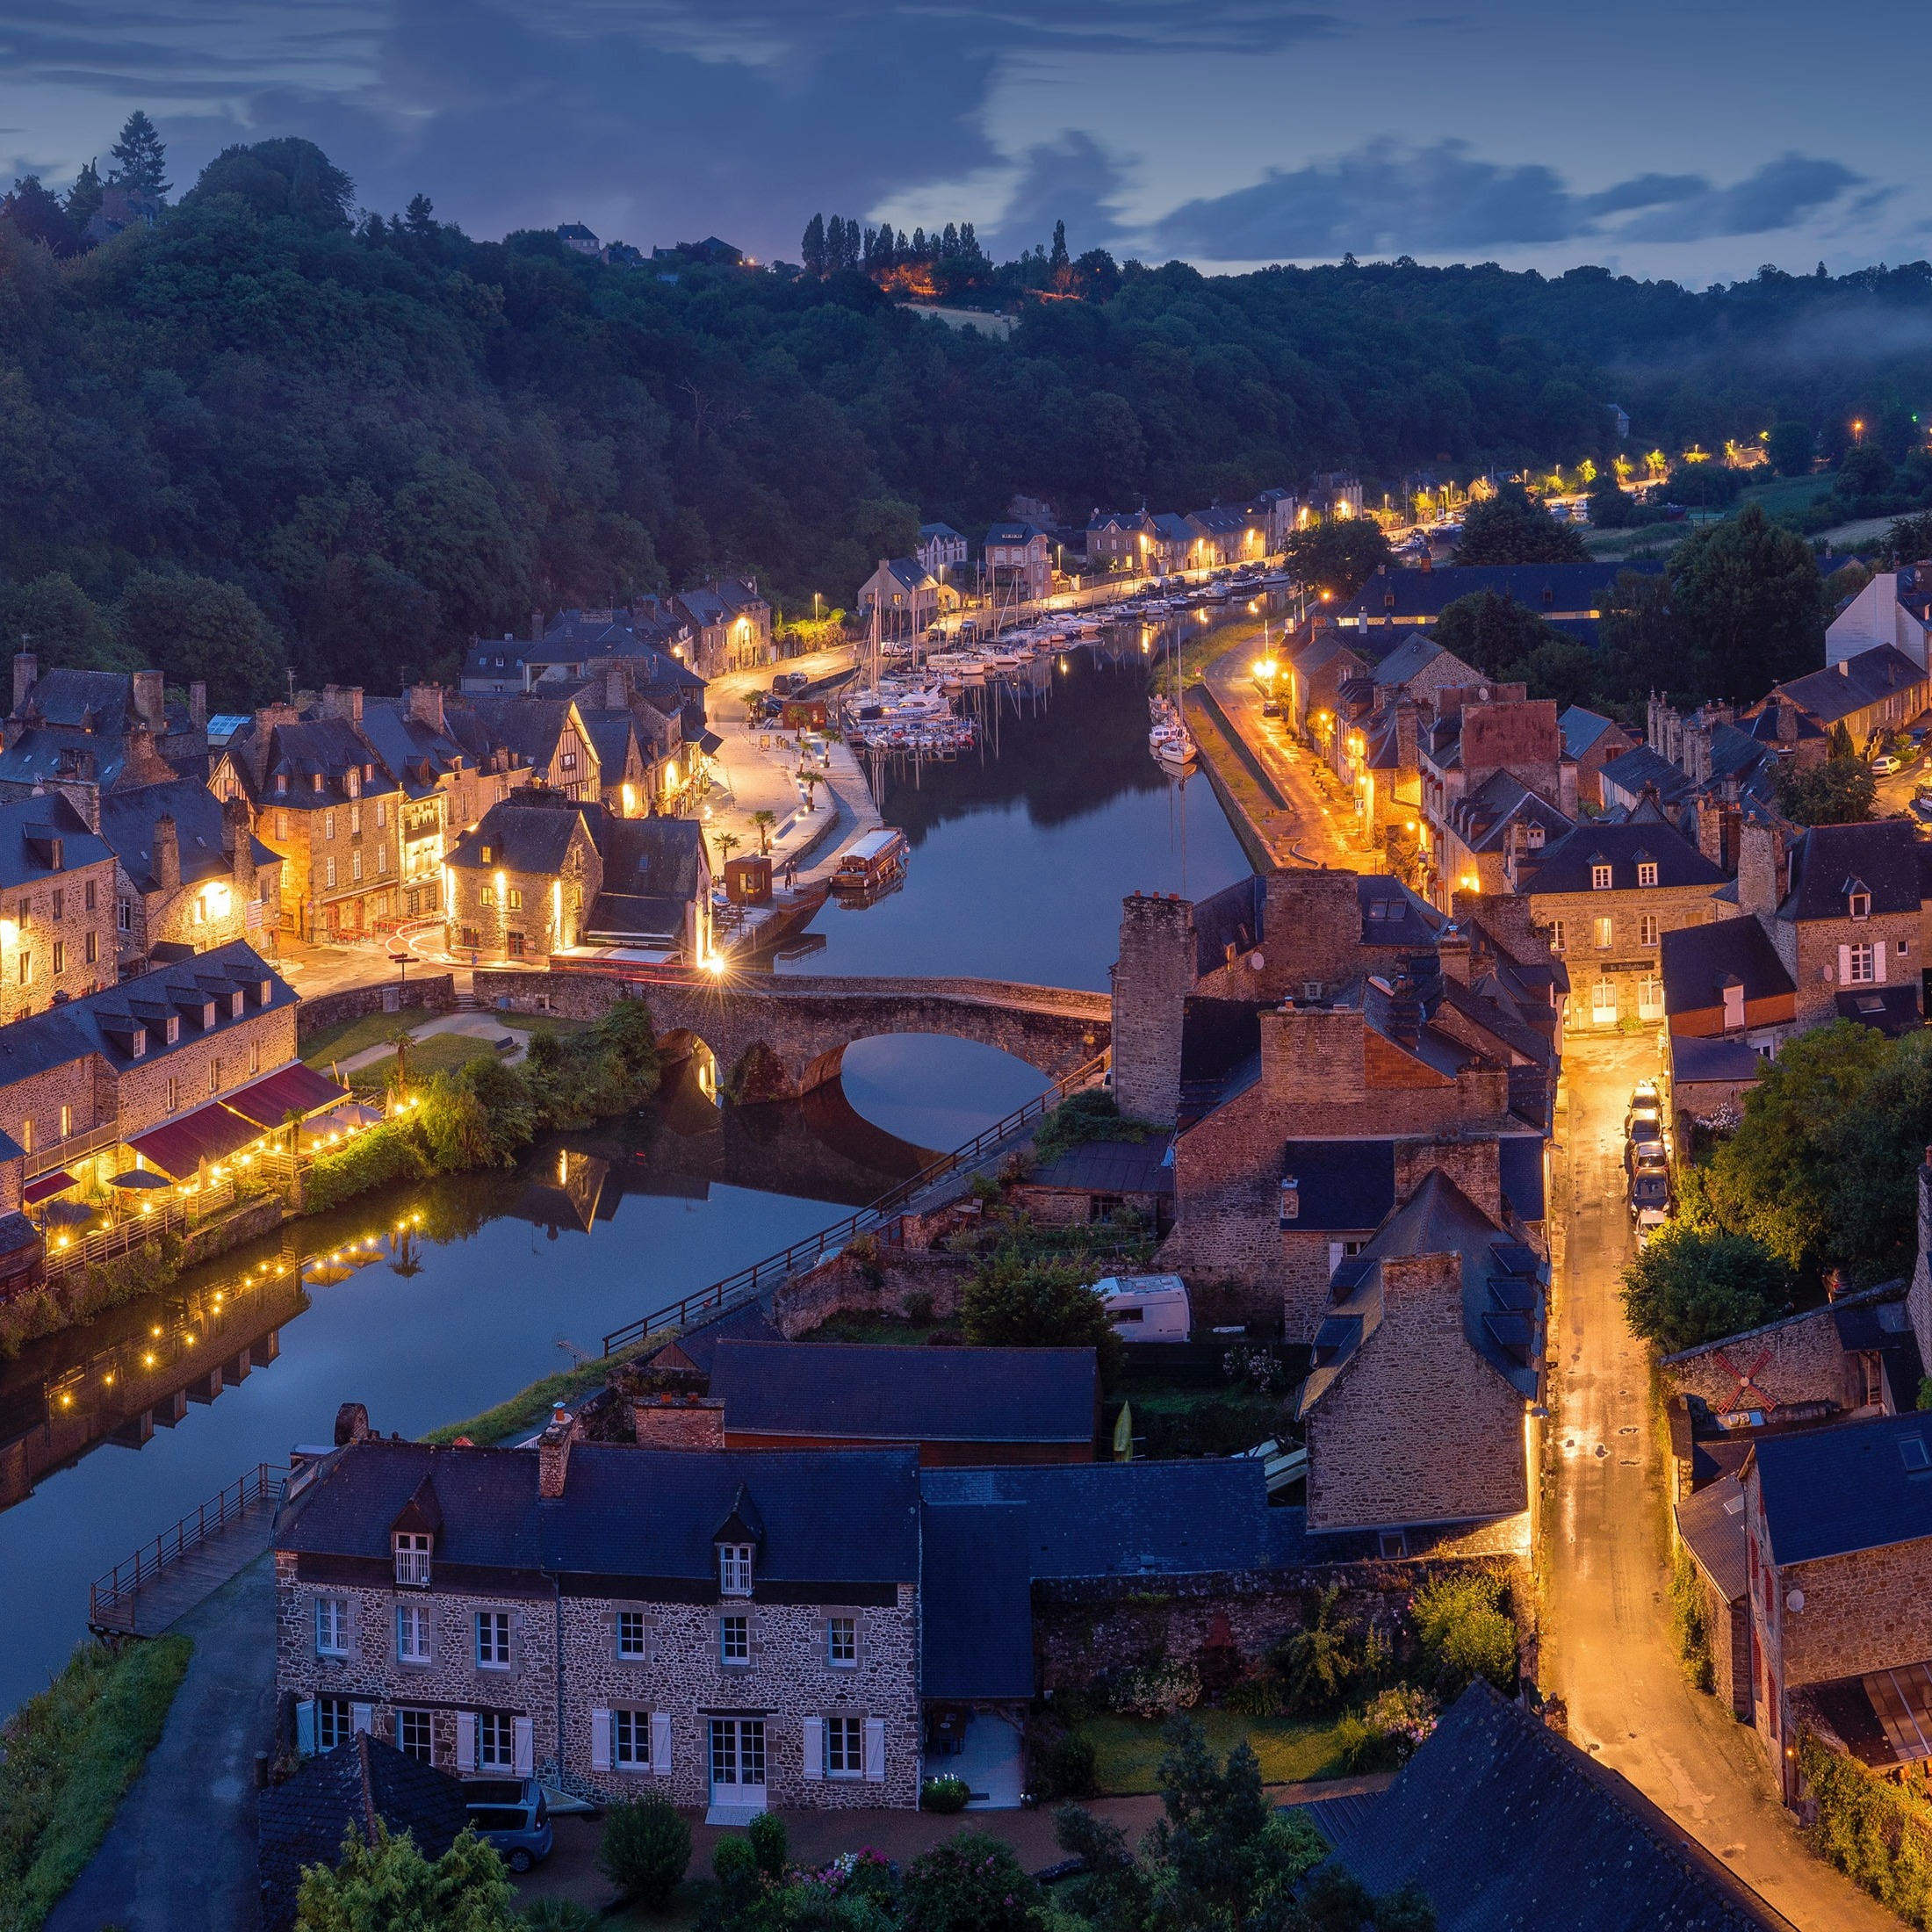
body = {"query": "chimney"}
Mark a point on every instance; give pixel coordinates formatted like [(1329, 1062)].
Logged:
[(1758, 864), (351, 1423), (238, 844), (616, 689), (150, 705), (553, 1453), (26, 675), (167, 853), (1453, 953), (426, 705), (1787, 723), (679, 1422), (1291, 1198), (537, 627), (197, 706), (344, 701)]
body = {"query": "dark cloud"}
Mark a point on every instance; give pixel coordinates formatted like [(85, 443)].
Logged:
[(1444, 199), (1072, 180)]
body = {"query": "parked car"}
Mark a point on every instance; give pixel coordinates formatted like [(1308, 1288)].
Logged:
[(1639, 1155), (513, 1814), (789, 683), (1649, 1196), (1884, 765), (1270, 707), (1645, 1130)]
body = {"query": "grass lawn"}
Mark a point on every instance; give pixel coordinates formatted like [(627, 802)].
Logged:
[(1127, 1750), (541, 1022), (1788, 493), (440, 1053), (1171, 1419), (348, 1037), (881, 1329)]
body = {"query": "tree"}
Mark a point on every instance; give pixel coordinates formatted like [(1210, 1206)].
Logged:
[(1748, 596), (1865, 471), (1609, 507), (1690, 1286), (1059, 258), (1842, 791), (139, 158), (1339, 554), (811, 247), (420, 218), (1466, 1633), (1641, 643), (193, 628), (1909, 540), (645, 1848), (1790, 448), (972, 1883), (285, 176), (39, 216), (388, 1881), (60, 624), (1011, 1302), (83, 198), (1492, 632), (1508, 529)]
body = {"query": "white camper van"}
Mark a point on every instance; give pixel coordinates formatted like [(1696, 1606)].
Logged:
[(1146, 1307)]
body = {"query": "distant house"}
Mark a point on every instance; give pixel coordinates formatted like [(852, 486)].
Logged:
[(57, 906), (1119, 539), (1874, 695), (1335, 492), (83, 730), (121, 208), (940, 549), (1591, 741), (1172, 546), (1228, 533), (574, 234), (732, 622), (1019, 560), (1894, 609), (1571, 596), (909, 598)]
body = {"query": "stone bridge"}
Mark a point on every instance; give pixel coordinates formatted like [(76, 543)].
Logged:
[(779, 1037)]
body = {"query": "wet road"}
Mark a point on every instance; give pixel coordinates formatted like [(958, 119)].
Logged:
[(1607, 1646)]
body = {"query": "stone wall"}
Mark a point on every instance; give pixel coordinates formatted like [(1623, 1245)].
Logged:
[(1152, 979), (1799, 1360), (434, 991), (1870, 1610), (82, 928), (840, 1286)]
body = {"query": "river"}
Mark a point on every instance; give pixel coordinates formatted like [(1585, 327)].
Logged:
[(472, 1288)]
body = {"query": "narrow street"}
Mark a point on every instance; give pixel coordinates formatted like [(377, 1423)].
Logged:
[(1607, 1649)]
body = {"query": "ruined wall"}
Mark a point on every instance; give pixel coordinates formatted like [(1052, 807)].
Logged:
[(434, 991)]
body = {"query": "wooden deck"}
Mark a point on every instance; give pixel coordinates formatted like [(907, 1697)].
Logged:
[(186, 1564)]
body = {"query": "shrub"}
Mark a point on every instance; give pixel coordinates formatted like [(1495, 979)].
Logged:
[(1690, 1622), (646, 1848), (1690, 1286), (1012, 1302), (1071, 1767), (1260, 1695), (1091, 1116), (972, 1883), (1154, 1690), (1315, 1665), (560, 1916), (387, 1881), (1386, 1734), (945, 1794), (376, 1159), (1465, 1631), (769, 1847), (1870, 1830)]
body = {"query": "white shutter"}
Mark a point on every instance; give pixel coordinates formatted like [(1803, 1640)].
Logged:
[(352, 1625), (600, 1739), (526, 1752), (465, 1740), (1844, 965), (362, 1716), (815, 1747), (305, 1727), (875, 1750), (1878, 962), (660, 1742)]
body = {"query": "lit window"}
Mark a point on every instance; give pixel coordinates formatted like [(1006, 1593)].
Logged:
[(1556, 935), (330, 874), (1647, 872), (489, 895), (516, 946), (1606, 932), (515, 899), (60, 957)]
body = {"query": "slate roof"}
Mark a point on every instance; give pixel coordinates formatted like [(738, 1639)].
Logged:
[(1581, 729), (1502, 1289), (1483, 819), (1829, 1492), (1853, 684), (1340, 1185), (302, 1822), (1392, 915), (1519, 1156), (930, 530), (522, 836), (1110, 1167), (27, 823), (1013, 533), (1882, 856), (1890, 1010), (1631, 771), (1711, 1521), (128, 824), (529, 726), (1551, 590), (1505, 1824), (976, 1627), (1694, 1058), (660, 858), (1567, 865), (853, 1391), (1088, 1519), (1699, 960), (830, 1515), (1409, 659)]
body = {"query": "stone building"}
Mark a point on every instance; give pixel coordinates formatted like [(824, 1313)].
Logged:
[(1592, 740), (755, 1643), (1608, 893), (56, 907), (81, 730)]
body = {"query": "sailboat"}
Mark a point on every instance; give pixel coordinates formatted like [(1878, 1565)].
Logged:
[(1168, 740)]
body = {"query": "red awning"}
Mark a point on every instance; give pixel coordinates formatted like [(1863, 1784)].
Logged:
[(297, 1088), (47, 1187), (211, 1133)]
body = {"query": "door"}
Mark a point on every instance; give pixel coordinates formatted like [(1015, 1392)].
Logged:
[(738, 1762)]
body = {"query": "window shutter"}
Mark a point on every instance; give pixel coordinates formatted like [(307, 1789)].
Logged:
[(815, 1748), (398, 1633), (465, 1740), (351, 1623), (305, 1727), (1878, 962), (875, 1750), (660, 1742), (1844, 965), (600, 1739), (526, 1746), (362, 1716)]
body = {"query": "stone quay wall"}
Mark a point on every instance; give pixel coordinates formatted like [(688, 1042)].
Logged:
[(434, 991)]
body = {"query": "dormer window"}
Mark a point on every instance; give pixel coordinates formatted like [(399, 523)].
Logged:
[(1599, 878), (355, 783), (486, 854), (735, 1569), (1535, 839), (281, 784), (1859, 905), (413, 1558), (172, 1026)]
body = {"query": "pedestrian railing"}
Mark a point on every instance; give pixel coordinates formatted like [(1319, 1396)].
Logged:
[(110, 1598), (748, 1282)]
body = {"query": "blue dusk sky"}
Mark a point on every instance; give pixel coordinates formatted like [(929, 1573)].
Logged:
[(1692, 141)]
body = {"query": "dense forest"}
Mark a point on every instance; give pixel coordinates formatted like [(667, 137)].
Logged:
[(274, 429)]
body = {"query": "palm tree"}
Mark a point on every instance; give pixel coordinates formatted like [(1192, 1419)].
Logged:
[(728, 842), (764, 821)]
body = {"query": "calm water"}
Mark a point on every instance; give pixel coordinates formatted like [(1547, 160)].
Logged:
[(1019, 865)]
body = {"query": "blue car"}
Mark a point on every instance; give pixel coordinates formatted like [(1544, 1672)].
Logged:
[(511, 1814)]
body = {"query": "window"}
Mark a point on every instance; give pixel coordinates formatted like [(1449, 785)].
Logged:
[(412, 1634), (495, 1742), (412, 1735), (124, 915), (1647, 872), (60, 905), (1650, 999), (195, 912), (1859, 905), (87, 896), (737, 1751), (486, 855), (1606, 934), (254, 1057), (281, 821), (27, 968), (488, 895), (1912, 1452), (91, 948), (567, 761), (842, 1642), (471, 938), (174, 1095), (66, 1121), (1556, 935), (633, 1636), (1604, 1003), (330, 874), (1860, 969), (630, 1739), (845, 1747), (382, 813), (382, 855), (1599, 878), (356, 867), (60, 957), (281, 785), (515, 899), (171, 1029), (1535, 839), (1734, 1006), (492, 1639), (413, 1558), (735, 1569), (355, 817), (328, 824), (332, 1722), (516, 946), (734, 1639), (331, 1626), (1647, 929)]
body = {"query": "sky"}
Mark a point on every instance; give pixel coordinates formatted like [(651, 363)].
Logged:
[(1693, 141)]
